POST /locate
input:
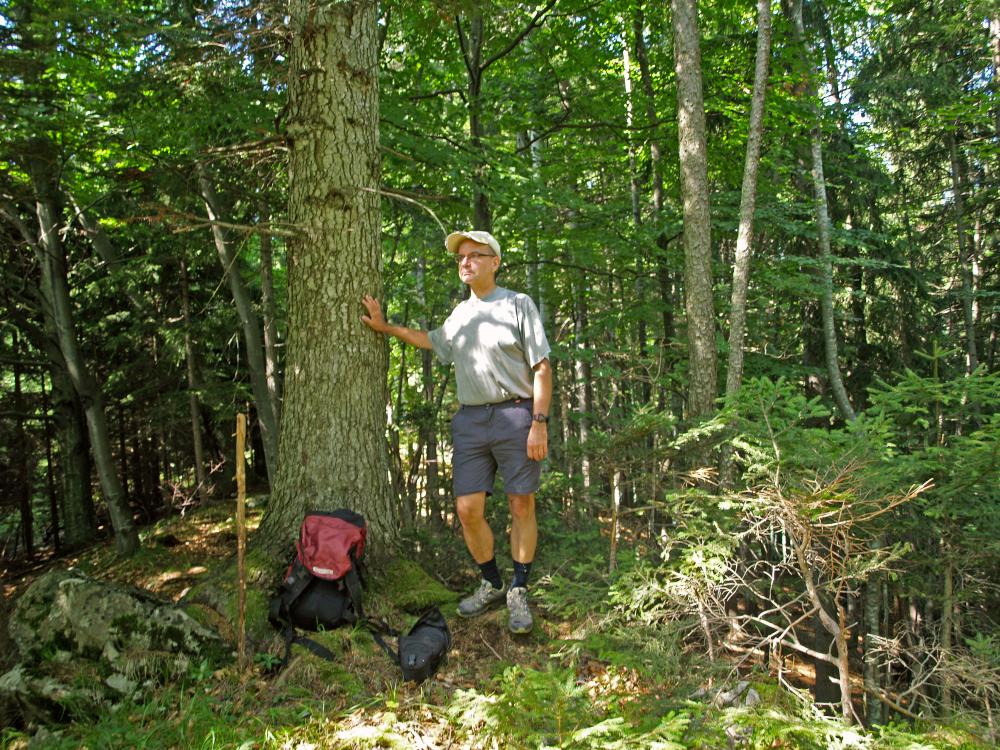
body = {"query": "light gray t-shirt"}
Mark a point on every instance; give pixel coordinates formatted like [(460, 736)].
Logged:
[(494, 343)]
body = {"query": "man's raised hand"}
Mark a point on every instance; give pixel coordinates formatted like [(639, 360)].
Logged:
[(374, 319)]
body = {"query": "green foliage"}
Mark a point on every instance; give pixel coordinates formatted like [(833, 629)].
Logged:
[(552, 709)]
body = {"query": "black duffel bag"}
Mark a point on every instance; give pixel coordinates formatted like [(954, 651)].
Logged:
[(425, 647)]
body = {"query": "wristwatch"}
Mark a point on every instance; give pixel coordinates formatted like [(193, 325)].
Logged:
[(540, 417)]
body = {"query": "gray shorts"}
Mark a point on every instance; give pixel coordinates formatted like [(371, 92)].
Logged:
[(489, 437)]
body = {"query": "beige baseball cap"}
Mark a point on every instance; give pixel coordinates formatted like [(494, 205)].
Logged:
[(455, 239)]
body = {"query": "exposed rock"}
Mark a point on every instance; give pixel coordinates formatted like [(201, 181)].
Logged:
[(87, 644)]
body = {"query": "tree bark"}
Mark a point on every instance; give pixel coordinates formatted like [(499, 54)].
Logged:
[(50, 476), (333, 449), (698, 302), (820, 206), (256, 367)]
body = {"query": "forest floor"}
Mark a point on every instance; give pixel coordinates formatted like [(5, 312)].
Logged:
[(586, 677)]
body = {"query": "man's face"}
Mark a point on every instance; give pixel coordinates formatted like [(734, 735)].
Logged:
[(476, 262)]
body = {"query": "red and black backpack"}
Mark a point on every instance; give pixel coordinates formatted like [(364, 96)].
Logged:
[(322, 587), (322, 590)]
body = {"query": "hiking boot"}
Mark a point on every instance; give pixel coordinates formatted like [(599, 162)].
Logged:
[(481, 599), (520, 616)]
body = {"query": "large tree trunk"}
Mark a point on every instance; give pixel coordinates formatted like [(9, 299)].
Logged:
[(698, 303), (55, 292), (820, 206), (333, 449), (256, 367)]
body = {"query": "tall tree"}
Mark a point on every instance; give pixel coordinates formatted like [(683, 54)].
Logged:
[(793, 9), (698, 303), (332, 448), (255, 353), (40, 158), (748, 201), (472, 42)]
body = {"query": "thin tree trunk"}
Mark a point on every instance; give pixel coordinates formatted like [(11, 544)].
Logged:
[(947, 631), (20, 458), (584, 401), (471, 45), (192, 383), (55, 290), (482, 217), (663, 275), (872, 624), (744, 237), (269, 311), (428, 425), (748, 199), (50, 475), (698, 302), (640, 275), (77, 502), (333, 449), (964, 254), (256, 367), (995, 54), (820, 206)]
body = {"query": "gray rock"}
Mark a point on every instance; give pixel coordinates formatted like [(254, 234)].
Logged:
[(73, 630)]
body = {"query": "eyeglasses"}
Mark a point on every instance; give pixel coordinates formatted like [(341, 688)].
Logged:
[(473, 256)]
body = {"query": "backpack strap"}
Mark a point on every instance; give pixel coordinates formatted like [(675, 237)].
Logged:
[(292, 637), (289, 592), (377, 628), (353, 584)]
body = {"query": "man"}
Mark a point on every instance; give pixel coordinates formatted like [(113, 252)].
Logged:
[(496, 342)]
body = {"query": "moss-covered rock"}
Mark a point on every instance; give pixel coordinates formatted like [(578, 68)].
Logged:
[(85, 644)]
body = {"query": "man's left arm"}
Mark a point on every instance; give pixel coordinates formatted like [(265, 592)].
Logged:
[(538, 436)]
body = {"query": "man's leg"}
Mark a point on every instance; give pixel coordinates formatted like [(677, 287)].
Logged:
[(479, 540), (523, 541), (523, 527), (477, 533)]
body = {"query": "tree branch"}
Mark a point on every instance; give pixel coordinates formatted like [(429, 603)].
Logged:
[(538, 19)]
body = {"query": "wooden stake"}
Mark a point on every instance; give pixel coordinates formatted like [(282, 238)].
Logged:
[(241, 534)]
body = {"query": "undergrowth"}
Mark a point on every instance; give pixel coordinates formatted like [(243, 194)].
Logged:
[(596, 673)]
